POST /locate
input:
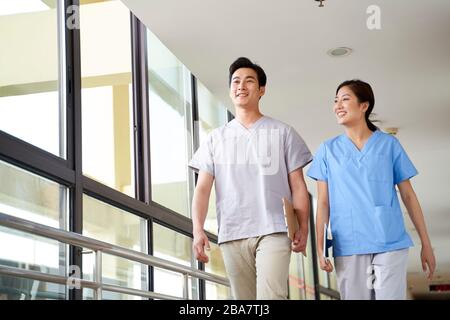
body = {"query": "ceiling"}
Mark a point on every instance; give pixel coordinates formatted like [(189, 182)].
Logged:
[(407, 62)]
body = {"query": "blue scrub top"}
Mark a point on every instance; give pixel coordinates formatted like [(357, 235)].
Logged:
[(365, 213)]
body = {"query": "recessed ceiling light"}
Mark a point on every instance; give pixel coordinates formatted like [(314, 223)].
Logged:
[(339, 52)]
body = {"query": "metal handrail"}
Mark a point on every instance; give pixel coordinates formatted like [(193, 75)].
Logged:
[(101, 247), (36, 275)]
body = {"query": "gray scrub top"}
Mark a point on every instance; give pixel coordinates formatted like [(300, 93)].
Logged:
[(250, 167)]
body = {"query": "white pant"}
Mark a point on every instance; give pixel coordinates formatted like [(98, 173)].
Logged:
[(379, 276), (258, 268)]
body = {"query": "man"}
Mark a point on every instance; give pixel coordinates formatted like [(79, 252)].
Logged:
[(255, 161)]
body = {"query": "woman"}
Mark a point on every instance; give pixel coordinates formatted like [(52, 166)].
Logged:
[(356, 175)]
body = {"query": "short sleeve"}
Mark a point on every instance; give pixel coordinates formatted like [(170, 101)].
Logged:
[(319, 167), (203, 157), (297, 153), (403, 167)]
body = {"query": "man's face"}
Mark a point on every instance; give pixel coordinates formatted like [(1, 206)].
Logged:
[(244, 88)]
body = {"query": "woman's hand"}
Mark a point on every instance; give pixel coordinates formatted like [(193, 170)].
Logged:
[(325, 264), (428, 260)]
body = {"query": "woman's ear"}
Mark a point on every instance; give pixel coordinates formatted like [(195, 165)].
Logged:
[(364, 106)]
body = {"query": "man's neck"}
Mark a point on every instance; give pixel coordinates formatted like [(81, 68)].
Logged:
[(248, 116)]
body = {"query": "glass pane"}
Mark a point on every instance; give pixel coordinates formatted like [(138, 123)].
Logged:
[(323, 278), (107, 117), (333, 278), (216, 266), (14, 288), (88, 294), (172, 246), (309, 270), (169, 102), (212, 114), (108, 295), (39, 200), (29, 64), (123, 229), (296, 278), (325, 297), (29, 196)]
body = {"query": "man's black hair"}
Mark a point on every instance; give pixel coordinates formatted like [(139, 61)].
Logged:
[(244, 62)]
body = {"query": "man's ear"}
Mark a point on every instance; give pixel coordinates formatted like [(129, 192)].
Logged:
[(262, 91)]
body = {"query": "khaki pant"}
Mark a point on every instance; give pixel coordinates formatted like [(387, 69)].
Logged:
[(258, 268)]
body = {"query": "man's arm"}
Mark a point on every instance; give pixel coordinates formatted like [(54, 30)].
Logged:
[(199, 211), (300, 202)]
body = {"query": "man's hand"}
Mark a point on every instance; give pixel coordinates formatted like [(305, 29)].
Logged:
[(300, 239), (199, 244)]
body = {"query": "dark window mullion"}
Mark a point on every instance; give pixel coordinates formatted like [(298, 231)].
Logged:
[(195, 146), (140, 110), (150, 251), (141, 126), (154, 211), (141, 123), (34, 159), (313, 250), (74, 136)]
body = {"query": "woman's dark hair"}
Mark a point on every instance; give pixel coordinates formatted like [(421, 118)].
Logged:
[(363, 91), (243, 62)]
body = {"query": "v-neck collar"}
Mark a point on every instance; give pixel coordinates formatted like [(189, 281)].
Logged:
[(253, 126), (367, 145)]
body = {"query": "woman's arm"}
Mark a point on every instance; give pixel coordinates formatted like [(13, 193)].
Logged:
[(409, 198), (323, 216)]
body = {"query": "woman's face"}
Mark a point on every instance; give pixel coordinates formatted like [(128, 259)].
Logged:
[(347, 109)]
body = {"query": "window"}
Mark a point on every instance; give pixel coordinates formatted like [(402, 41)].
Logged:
[(31, 106), (333, 280), (33, 109), (212, 114), (108, 147), (296, 278), (215, 265), (169, 103), (109, 224), (309, 270), (173, 246), (28, 196)]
